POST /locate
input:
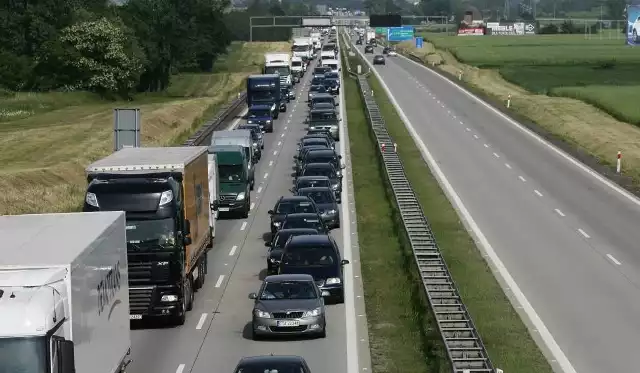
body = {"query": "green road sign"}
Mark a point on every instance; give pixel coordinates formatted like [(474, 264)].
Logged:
[(381, 31)]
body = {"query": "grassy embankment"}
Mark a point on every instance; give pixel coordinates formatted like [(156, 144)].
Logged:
[(46, 139), (579, 90), (404, 313)]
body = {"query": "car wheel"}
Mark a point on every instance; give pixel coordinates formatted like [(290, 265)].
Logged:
[(635, 36), (338, 223), (245, 212), (323, 333), (255, 336)]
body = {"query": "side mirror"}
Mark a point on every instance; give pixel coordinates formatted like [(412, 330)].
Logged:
[(215, 205), (344, 261), (340, 119), (293, 190), (66, 355), (296, 157), (343, 166), (268, 244), (187, 227), (253, 296), (337, 104), (270, 212), (187, 241), (339, 157)]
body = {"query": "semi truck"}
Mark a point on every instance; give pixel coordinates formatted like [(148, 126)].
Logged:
[(64, 294), (235, 189), (279, 63), (302, 47), (265, 90), (165, 194)]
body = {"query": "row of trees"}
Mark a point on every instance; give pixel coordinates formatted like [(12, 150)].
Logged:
[(116, 49)]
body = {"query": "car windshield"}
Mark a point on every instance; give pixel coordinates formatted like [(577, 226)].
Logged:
[(296, 222), (317, 81), (280, 70), (310, 256), (317, 88), (319, 197), (331, 75), (294, 207), (333, 66), (265, 367), (322, 105), (314, 142), (23, 355), (230, 172), (318, 171), (313, 183), (322, 116), (289, 290), (282, 237), (255, 113), (300, 48), (156, 232), (312, 158)]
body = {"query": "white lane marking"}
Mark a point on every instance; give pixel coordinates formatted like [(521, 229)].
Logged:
[(583, 233), (266, 175), (522, 179), (259, 189), (475, 137), (473, 227), (467, 129), (282, 135), (203, 317), (486, 146), (251, 206), (232, 252), (275, 152), (270, 163), (537, 192), (507, 165), (219, 282), (496, 155), (559, 212), (614, 260), (243, 226), (285, 128), (351, 331), (563, 361), (180, 368), (279, 143)]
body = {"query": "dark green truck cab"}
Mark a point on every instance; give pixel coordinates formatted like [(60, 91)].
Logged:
[(235, 190)]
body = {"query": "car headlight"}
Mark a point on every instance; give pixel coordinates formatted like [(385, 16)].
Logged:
[(268, 121), (335, 186), (273, 260), (91, 199), (169, 298), (261, 314), (240, 196), (330, 212), (332, 281), (339, 173), (276, 224), (249, 122), (313, 313), (255, 144)]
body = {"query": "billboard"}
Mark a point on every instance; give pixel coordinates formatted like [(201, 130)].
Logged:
[(316, 22), (400, 33), (511, 28), (633, 24), (478, 31)]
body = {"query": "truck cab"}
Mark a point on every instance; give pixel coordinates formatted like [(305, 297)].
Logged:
[(243, 139), (279, 63), (297, 68), (235, 194), (265, 90), (263, 115)]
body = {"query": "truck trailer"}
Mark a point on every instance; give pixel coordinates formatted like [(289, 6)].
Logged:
[(265, 90), (64, 294), (165, 194)]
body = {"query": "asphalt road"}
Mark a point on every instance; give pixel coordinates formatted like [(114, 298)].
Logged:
[(569, 240), (217, 332)]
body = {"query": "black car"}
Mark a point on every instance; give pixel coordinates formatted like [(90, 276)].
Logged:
[(310, 182), (318, 256), (276, 245), (305, 220), (272, 363), (386, 50), (323, 156), (315, 90), (332, 86), (368, 49), (318, 80), (323, 97), (332, 75), (290, 205), (379, 60), (322, 105), (359, 42), (326, 202), (319, 131), (321, 70), (325, 135), (325, 169)]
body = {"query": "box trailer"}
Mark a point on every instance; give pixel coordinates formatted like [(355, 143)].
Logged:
[(63, 293), (165, 194)]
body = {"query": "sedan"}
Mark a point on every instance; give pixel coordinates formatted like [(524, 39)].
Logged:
[(289, 304), (272, 363), (379, 60), (276, 245), (368, 49)]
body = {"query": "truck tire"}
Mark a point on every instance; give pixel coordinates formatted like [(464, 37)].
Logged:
[(202, 273), (190, 295)]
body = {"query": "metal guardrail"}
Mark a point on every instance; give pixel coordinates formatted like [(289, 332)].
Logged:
[(465, 350), (211, 125)]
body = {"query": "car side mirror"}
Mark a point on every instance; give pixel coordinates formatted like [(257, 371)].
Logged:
[(253, 296), (270, 212), (344, 261), (343, 166), (66, 355), (187, 241), (339, 156), (187, 227), (293, 190), (215, 205), (268, 244)]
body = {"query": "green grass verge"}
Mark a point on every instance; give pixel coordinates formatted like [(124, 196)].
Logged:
[(402, 336), (508, 341)]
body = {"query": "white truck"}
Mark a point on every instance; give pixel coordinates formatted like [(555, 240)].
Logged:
[(64, 297), (298, 68), (316, 40), (302, 47), (279, 63)]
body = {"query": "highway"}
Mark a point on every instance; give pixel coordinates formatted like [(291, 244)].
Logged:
[(217, 332), (567, 236)]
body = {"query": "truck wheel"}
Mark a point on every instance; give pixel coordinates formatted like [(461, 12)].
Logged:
[(199, 282), (190, 294), (180, 319)]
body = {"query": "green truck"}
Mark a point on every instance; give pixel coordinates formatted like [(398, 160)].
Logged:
[(235, 187)]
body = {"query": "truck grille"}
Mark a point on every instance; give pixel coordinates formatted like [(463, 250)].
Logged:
[(227, 197), (285, 315), (283, 80), (148, 273), (139, 300)]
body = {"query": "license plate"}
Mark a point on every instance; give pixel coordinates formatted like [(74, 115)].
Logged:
[(223, 209), (288, 323), (135, 317)]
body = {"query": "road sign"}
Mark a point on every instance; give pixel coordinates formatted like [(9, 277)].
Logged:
[(381, 31), (126, 128), (419, 41), (400, 33)]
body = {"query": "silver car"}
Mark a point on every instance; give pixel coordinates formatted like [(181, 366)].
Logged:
[(289, 304)]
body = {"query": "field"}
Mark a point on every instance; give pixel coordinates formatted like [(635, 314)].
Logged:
[(580, 90), (402, 332), (46, 139)]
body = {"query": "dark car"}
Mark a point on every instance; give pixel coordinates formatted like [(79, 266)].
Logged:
[(323, 156), (332, 86), (290, 205), (324, 135), (310, 182), (256, 133), (272, 363), (305, 220), (359, 42), (303, 152), (314, 90), (325, 169), (386, 50), (319, 131), (326, 202), (332, 75), (318, 256), (276, 245), (323, 97), (263, 115), (327, 119), (321, 70), (368, 49), (379, 60), (318, 80)]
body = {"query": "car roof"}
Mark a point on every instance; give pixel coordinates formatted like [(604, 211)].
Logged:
[(288, 277), (319, 165), (322, 95), (291, 231), (322, 111), (248, 360), (310, 239), (315, 189), (323, 152), (292, 198)]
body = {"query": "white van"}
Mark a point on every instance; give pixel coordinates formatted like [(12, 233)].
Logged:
[(333, 64)]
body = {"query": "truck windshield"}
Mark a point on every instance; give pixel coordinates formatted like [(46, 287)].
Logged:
[(159, 232), (262, 95), (300, 48), (296, 63), (23, 355), (230, 172), (259, 113), (281, 70)]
